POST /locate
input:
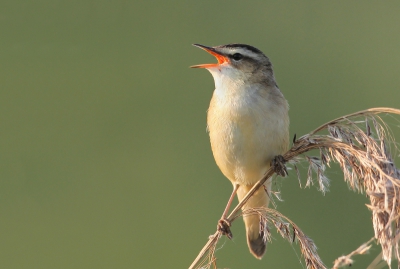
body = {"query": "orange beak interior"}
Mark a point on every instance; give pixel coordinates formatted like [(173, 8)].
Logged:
[(220, 58)]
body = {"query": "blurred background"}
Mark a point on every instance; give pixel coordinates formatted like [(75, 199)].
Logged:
[(104, 157)]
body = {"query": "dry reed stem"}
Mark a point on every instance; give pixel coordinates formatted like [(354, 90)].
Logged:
[(367, 165), (289, 231), (377, 263), (347, 260)]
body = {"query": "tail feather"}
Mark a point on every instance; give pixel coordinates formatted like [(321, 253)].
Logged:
[(257, 246), (255, 237)]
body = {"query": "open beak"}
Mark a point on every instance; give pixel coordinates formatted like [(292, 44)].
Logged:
[(220, 58)]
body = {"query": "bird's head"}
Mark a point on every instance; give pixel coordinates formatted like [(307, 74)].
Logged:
[(238, 62)]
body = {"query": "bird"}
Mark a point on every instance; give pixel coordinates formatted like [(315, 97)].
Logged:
[(248, 125)]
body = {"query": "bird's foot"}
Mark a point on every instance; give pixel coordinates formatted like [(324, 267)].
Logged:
[(278, 164), (224, 227)]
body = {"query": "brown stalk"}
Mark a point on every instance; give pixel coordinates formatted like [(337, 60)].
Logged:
[(347, 259), (367, 166)]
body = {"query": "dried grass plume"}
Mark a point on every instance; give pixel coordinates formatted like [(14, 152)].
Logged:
[(363, 145)]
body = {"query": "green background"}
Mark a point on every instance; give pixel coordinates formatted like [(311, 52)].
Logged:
[(104, 157)]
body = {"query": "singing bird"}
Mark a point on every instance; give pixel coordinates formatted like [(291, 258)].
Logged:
[(248, 125)]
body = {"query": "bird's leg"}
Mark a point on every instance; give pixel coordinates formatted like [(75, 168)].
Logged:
[(278, 164), (223, 223)]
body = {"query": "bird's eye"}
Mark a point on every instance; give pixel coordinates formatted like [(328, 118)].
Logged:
[(237, 56)]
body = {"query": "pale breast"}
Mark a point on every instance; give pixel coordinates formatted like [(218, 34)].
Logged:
[(245, 135)]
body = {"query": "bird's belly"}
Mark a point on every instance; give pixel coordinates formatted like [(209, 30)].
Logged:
[(243, 149)]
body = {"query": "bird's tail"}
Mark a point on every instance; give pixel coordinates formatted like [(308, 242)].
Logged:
[(255, 240)]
